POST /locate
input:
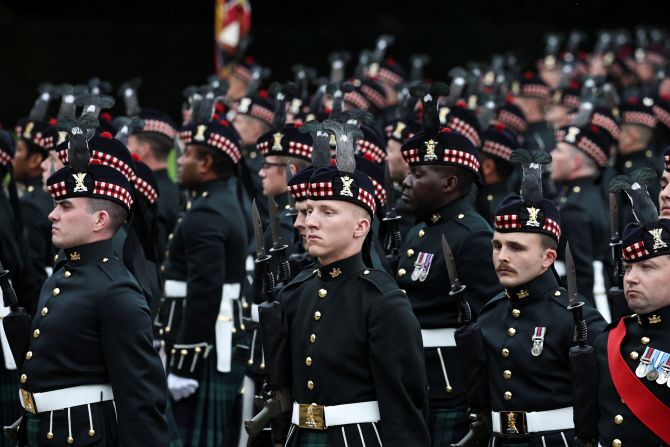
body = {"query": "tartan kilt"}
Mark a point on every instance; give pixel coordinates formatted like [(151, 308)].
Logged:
[(556, 438), (10, 407), (175, 439), (448, 426), (204, 418), (313, 438)]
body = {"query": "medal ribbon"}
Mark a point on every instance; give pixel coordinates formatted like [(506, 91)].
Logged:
[(642, 403)]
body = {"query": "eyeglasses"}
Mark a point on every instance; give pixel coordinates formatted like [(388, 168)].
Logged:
[(267, 165)]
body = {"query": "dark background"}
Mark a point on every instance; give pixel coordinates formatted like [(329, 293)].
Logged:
[(169, 43)]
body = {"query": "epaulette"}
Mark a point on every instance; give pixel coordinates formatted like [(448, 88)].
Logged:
[(493, 302), (301, 277), (113, 268), (380, 279), (561, 298)]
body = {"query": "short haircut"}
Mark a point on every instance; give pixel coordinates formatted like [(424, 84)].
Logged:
[(35, 149), (503, 167), (548, 242), (160, 145), (222, 164), (465, 177), (298, 162), (117, 214), (642, 134)]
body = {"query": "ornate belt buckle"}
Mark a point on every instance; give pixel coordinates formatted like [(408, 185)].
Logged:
[(311, 416), (513, 423), (28, 401)]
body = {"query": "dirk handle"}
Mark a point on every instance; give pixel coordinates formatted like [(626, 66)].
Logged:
[(267, 279), (393, 238), (9, 294), (581, 329), (618, 261), (284, 269)]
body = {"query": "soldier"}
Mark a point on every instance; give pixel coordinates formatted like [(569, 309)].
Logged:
[(204, 269), (664, 196), (443, 168), (153, 143), (527, 329), (637, 129), (632, 353), (564, 103), (344, 309), (531, 94), (577, 163), (91, 313), (496, 169)]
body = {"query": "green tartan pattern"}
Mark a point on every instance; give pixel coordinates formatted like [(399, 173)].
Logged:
[(175, 439), (312, 438), (216, 397), (547, 439), (10, 407), (447, 426), (32, 429)]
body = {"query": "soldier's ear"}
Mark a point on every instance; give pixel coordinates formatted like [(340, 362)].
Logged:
[(549, 257)]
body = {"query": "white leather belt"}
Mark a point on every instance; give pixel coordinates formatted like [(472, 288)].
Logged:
[(223, 329), (175, 289), (319, 417), (438, 338), (254, 313), (521, 422), (64, 398)]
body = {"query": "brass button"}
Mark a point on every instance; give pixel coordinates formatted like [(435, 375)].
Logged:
[(205, 194), (170, 236), (36, 333), (449, 389), (576, 189), (245, 305), (24, 378), (645, 340), (317, 315), (91, 433), (44, 312), (628, 164), (618, 419), (163, 268), (634, 355), (323, 293), (410, 252), (105, 259), (505, 352), (508, 395), (401, 273), (310, 385), (168, 329), (507, 374), (489, 198), (29, 355), (511, 332), (422, 233), (56, 292), (67, 274), (70, 440), (198, 349), (183, 352), (312, 338), (50, 435), (188, 205), (308, 361), (366, 272), (557, 293), (617, 442), (516, 313), (55, 258), (461, 216)]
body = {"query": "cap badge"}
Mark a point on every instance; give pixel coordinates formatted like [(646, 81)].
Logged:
[(276, 146), (79, 178), (244, 105), (654, 319), (27, 133), (572, 134), (335, 272), (521, 294), (658, 242), (397, 133), (532, 217), (346, 186), (200, 133), (75, 256), (444, 111), (430, 150)]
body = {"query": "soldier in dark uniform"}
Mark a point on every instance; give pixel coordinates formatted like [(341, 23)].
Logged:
[(345, 310), (563, 105), (664, 195), (531, 94), (632, 353), (153, 143), (637, 128), (513, 117), (527, 329), (91, 313), (204, 270), (443, 167), (32, 147), (577, 161), (498, 145)]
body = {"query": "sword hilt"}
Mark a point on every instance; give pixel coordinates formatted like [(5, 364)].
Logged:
[(581, 329), (267, 278), (284, 269), (9, 294)]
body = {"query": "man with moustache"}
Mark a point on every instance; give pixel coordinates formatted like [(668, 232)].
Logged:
[(527, 329), (342, 309), (443, 168), (633, 352)]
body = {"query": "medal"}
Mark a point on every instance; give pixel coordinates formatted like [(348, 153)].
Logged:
[(645, 361), (426, 267), (665, 370), (652, 375), (418, 265), (538, 341)]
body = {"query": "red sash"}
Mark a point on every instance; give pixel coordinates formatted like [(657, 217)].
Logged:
[(642, 403)]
